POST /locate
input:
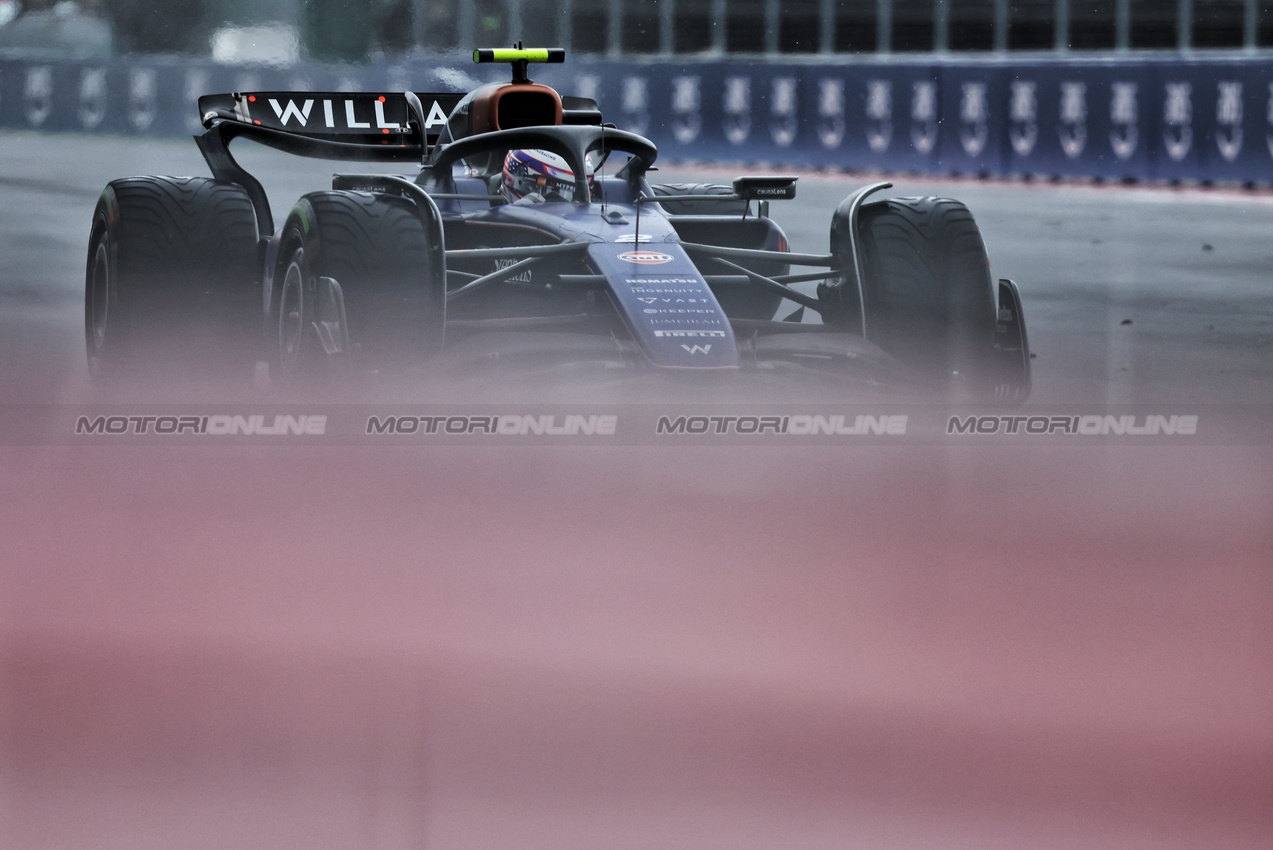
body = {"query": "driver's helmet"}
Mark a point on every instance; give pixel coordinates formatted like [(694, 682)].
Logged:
[(539, 172)]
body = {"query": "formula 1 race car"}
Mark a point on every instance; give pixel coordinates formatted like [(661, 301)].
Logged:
[(528, 215)]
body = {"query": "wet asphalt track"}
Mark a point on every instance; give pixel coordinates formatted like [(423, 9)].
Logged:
[(917, 647), (1131, 295)]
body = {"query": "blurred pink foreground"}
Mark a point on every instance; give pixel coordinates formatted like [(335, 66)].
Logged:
[(636, 648)]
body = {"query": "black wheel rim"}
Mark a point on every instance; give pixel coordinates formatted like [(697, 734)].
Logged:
[(98, 307), (291, 313)]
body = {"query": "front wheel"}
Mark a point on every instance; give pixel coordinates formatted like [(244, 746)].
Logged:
[(927, 292)]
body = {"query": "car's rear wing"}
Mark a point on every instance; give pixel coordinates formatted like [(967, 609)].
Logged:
[(333, 120), (351, 126)]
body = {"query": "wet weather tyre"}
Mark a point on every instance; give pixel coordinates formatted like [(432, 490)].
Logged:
[(928, 293), (360, 286), (172, 277)]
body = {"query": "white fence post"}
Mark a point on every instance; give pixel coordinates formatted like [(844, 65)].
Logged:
[(826, 27), (667, 27), (565, 24), (773, 23), (614, 28)]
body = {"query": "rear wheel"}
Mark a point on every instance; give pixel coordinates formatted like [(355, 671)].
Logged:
[(171, 276), (359, 285), (927, 290)]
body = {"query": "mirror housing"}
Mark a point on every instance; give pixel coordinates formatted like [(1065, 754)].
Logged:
[(775, 188)]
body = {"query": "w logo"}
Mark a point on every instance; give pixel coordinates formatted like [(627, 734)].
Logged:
[(291, 110), (698, 349)]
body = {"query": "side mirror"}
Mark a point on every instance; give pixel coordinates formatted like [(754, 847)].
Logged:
[(765, 188)]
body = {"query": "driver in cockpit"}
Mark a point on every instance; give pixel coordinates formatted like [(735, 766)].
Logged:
[(539, 176)]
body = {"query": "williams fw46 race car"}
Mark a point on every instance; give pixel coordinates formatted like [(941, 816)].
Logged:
[(528, 217)]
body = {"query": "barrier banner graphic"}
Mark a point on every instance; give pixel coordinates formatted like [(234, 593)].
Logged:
[(1137, 118)]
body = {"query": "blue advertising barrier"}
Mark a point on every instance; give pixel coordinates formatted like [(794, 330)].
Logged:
[(1136, 119)]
